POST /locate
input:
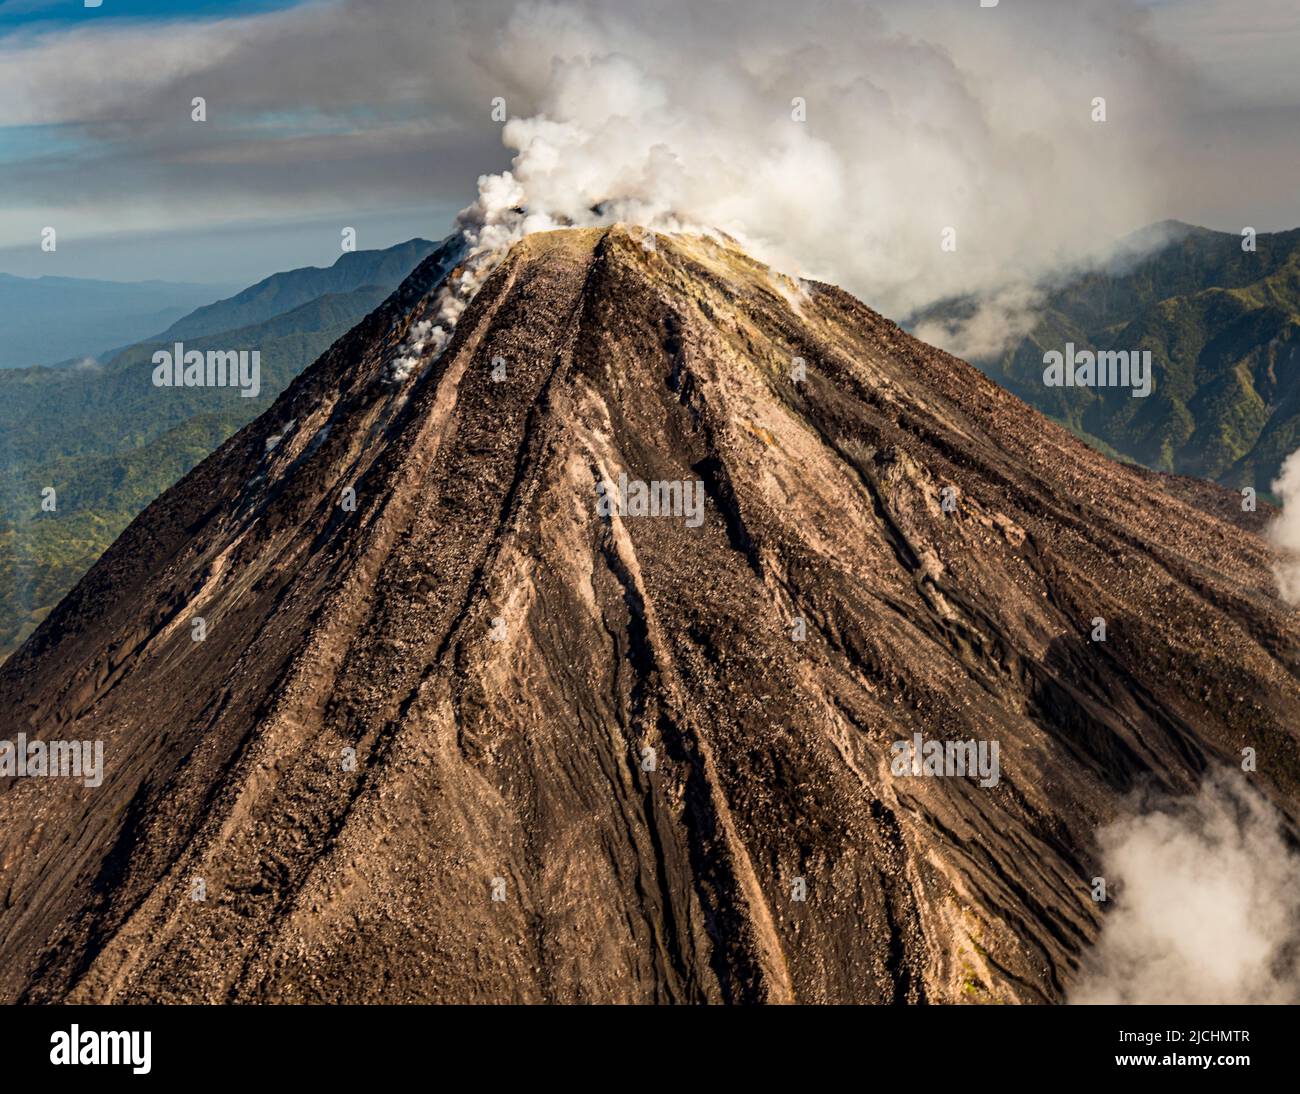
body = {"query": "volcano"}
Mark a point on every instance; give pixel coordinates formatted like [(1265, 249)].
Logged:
[(429, 686)]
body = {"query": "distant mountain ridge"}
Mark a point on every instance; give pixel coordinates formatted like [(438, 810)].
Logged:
[(282, 292), (1223, 328)]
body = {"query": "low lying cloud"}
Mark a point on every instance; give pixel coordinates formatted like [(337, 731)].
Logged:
[(1206, 903), (1284, 532), (993, 323)]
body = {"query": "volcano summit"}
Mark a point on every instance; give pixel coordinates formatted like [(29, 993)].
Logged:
[(453, 733)]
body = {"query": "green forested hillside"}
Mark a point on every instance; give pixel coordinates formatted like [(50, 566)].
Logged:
[(1223, 327), (108, 442)]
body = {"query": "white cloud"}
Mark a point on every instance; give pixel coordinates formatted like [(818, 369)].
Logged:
[(1206, 897), (1284, 532)]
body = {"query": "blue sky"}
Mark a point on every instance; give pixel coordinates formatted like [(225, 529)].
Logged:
[(16, 14), (374, 114)]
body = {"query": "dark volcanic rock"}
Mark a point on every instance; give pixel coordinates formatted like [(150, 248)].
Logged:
[(606, 721)]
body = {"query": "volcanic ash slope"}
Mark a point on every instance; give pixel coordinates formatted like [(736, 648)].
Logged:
[(452, 734)]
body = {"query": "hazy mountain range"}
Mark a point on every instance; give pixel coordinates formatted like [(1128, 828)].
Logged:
[(48, 320), (284, 292)]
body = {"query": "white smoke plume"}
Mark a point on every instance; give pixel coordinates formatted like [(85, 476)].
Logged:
[(487, 228), (1284, 533), (1206, 903), (837, 142)]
